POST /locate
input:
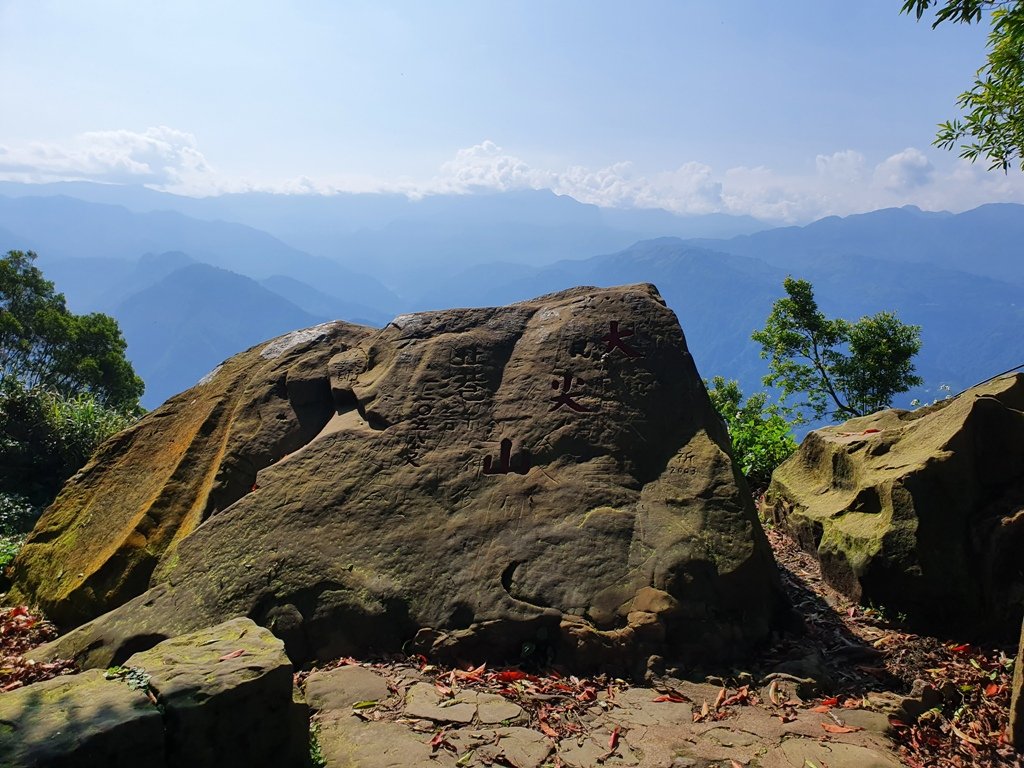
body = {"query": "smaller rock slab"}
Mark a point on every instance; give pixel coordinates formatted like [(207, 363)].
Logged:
[(227, 698), (798, 753), (352, 743), (520, 747), (81, 720), (423, 701), (342, 687)]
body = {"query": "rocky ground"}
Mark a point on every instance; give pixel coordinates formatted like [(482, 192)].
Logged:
[(852, 690)]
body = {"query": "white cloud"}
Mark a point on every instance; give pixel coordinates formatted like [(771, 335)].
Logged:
[(904, 171), (841, 182), (159, 156), (847, 165), (486, 166), (688, 189)]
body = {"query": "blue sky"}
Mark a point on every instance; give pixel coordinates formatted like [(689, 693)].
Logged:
[(786, 110)]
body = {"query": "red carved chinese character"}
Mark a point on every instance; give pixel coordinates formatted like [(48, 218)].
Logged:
[(614, 340), (505, 461), (565, 397)]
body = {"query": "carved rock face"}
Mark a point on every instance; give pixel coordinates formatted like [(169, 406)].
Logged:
[(544, 478), (919, 511)]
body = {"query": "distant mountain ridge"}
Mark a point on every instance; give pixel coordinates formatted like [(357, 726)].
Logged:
[(191, 289), (186, 323), (988, 240)]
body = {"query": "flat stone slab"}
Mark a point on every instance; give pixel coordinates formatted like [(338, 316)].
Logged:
[(522, 747), (797, 753), (101, 722), (464, 707), (424, 701), (492, 709), (346, 742), (342, 687)]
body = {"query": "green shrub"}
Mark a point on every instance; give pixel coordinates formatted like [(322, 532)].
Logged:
[(46, 437), (761, 437), (17, 516)]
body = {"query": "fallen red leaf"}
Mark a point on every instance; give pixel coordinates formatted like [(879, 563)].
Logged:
[(962, 648), (992, 689), (668, 697), (613, 740), (830, 702), (437, 741), (831, 728), (740, 697), (547, 730), (232, 655), (510, 676)]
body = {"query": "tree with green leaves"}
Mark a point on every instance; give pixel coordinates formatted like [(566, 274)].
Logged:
[(65, 385), (993, 122), (44, 345), (840, 368), (760, 435)]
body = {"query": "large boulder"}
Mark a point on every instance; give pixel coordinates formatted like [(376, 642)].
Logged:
[(150, 486), (544, 478), (918, 511)]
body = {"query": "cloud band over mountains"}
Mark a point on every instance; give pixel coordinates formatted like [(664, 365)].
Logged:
[(841, 182)]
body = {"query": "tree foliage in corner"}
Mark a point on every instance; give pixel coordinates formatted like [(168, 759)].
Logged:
[(841, 368), (761, 436), (993, 121), (44, 345), (65, 385)]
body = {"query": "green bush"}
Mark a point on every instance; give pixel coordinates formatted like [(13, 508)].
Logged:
[(46, 437), (17, 516), (761, 437)]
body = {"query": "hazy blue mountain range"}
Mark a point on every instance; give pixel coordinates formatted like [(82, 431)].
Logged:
[(193, 281), (65, 228), (408, 241), (988, 240), (183, 325)]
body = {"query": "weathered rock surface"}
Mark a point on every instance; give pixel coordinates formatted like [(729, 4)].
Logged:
[(920, 511), (150, 486), (548, 478), (218, 698), (650, 733)]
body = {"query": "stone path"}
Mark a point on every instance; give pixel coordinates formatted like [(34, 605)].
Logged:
[(388, 717)]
